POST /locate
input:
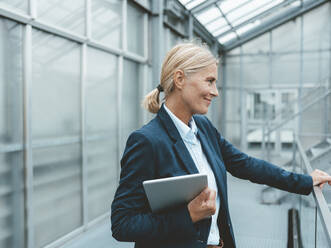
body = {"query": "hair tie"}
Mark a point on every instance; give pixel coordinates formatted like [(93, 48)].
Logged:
[(160, 88)]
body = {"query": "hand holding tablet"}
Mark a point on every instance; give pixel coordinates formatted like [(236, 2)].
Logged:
[(169, 192)]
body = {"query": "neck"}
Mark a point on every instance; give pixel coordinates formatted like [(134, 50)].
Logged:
[(178, 110)]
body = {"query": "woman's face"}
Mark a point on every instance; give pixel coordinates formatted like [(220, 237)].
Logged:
[(199, 89)]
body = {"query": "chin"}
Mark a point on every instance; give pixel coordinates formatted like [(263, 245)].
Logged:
[(202, 111)]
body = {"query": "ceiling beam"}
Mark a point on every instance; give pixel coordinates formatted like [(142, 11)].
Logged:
[(257, 17), (275, 22), (203, 6)]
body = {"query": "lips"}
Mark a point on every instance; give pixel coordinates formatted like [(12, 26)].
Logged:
[(208, 100)]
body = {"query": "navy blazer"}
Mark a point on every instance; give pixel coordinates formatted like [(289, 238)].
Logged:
[(156, 151)]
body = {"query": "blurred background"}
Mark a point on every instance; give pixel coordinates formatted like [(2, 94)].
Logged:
[(72, 78)]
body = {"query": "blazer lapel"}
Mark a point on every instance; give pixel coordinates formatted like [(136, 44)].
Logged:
[(217, 169), (179, 145)]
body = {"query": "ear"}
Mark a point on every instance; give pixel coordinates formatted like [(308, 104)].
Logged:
[(179, 79)]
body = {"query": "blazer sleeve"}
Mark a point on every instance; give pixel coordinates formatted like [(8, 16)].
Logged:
[(131, 217), (259, 171)]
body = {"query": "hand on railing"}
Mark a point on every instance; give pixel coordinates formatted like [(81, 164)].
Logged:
[(320, 178)]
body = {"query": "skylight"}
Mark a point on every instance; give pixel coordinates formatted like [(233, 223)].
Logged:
[(231, 19)]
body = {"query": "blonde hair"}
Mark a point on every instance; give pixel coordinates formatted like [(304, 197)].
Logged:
[(189, 57)]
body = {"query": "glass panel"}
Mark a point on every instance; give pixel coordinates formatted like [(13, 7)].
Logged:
[(21, 5), (233, 105), (264, 7), (287, 37), (307, 221), (229, 5), (217, 23), (11, 83), (248, 27), (135, 29), (101, 92), (288, 104), (250, 65), (102, 169), (55, 86), (262, 106), (57, 192), (246, 9), (65, 14), (312, 121), (130, 105), (233, 133), (208, 15), (232, 73), (286, 69), (316, 23), (184, 1), (227, 37), (221, 30), (257, 45), (194, 3), (107, 22), (316, 67), (321, 238), (11, 200)]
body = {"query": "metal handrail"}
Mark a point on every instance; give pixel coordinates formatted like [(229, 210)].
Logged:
[(322, 206)]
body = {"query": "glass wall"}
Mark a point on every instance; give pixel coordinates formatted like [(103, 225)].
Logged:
[(70, 93), (11, 135), (290, 62), (72, 79)]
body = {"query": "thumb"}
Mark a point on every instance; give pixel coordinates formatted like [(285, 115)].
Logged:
[(205, 194)]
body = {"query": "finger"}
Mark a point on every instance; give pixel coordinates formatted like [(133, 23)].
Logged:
[(212, 195), (205, 194)]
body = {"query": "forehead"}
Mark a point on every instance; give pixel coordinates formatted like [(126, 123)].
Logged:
[(209, 71)]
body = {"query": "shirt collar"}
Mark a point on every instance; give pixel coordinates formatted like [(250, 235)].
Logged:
[(187, 133)]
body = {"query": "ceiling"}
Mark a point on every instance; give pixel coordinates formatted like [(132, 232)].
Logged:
[(230, 21)]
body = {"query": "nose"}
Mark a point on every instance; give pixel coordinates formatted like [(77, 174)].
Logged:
[(214, 90)]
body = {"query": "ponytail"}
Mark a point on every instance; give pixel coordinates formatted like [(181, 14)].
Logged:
[(151, 101)]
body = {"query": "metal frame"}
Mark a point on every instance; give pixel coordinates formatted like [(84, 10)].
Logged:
[(257, 17), (203, 6), (28, 162), (83, 134), (322, 206), (275, 22), (24, 19), (29, 22)]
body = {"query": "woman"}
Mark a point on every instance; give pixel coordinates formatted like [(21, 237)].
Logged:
[(179, 141)]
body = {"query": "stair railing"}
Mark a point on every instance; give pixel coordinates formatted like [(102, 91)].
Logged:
[(267, 128), (322, 207)]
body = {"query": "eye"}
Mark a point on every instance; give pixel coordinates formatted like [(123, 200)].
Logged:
[(210, 81)]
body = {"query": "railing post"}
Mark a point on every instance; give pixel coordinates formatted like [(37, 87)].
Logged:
[(268, 142), (263, 140)]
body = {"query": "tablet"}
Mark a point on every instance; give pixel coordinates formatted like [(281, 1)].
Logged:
[(172, 191)]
